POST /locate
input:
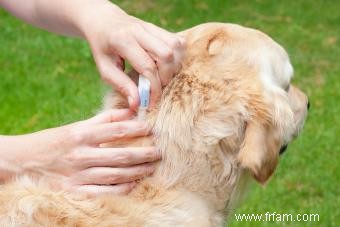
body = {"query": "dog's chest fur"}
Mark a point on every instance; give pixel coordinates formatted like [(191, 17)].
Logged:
[(189, 127)]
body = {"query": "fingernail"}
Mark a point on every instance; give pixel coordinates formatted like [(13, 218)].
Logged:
[(150, 169), (159, 153), (130, 101), (133, 184), (182, 40)]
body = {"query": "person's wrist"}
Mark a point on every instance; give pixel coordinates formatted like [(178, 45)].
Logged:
[(86, 16), (41, 148), (61, 139)]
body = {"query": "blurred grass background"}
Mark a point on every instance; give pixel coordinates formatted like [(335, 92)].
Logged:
[(48, 80)]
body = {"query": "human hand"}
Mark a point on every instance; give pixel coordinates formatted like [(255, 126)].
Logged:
[(70, 157), (114, 36)]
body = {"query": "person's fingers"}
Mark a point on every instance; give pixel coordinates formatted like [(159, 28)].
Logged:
[(174, 42), (104, 133), (170, 38), (113, 75), (142, 62), (99, 190), (161, 53), (109, 176), (111, 116), (117, 157)]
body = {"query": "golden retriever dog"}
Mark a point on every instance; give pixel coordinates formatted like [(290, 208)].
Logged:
[(224, 116)]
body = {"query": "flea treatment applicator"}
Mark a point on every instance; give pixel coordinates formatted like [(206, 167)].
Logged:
[(144, 96)]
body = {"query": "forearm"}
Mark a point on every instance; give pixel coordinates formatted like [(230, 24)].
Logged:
[(64, 17)]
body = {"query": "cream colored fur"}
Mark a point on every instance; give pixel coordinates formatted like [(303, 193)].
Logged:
[(224, 115)]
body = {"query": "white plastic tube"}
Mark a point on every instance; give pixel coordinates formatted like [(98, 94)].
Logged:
[(144, 96)]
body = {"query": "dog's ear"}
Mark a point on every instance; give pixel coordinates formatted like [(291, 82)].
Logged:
[(259, 151), (215, 43)]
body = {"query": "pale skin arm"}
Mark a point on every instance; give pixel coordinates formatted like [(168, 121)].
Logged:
[(70, 158), (113, 36), (66, 154)]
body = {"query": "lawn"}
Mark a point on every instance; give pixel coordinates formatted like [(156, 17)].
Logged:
[(48, 80)]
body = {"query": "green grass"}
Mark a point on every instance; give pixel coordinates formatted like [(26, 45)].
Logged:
[(47, 80)]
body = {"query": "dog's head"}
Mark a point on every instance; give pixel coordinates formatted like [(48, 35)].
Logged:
[(239, 80), (231, 108)]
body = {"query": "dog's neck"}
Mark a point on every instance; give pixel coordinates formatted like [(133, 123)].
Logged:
[(193, 159), (189, 127)]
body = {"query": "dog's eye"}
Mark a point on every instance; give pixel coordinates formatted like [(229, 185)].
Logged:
[(287, 88)]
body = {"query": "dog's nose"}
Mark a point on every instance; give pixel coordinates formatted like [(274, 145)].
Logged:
[(308, 105)]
